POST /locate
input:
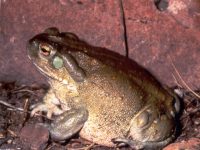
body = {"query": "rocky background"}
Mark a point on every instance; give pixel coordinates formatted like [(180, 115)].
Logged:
[(155, 33)]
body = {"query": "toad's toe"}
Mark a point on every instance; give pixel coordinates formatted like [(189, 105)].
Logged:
[(43, 107)]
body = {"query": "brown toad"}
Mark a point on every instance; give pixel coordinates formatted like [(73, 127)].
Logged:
[(105, 96)]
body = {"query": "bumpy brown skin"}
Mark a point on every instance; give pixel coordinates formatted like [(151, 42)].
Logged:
[(122, 101)]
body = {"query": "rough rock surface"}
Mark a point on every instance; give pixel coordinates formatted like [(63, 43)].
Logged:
[(35, 141), (152, 34), (96, 22), (191, 144)]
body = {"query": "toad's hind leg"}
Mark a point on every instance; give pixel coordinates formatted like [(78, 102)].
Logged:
[(68, 123), (141, 145)]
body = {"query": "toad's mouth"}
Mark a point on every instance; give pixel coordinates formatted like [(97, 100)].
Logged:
[(52, 74)]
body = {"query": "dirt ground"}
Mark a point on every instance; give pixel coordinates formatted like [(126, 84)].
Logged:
[(18, 131)]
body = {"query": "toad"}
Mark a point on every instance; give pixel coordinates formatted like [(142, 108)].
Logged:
[(105, 97)]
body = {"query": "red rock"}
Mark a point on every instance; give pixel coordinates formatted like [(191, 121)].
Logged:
[(34, 137), (98, 23), (191, 144), (186, 12), (152, 34)]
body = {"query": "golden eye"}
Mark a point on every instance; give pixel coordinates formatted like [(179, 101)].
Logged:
[(45, 49)]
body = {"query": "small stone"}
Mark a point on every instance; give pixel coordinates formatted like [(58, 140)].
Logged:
[(191, 144), (9, 141), (34, 137)]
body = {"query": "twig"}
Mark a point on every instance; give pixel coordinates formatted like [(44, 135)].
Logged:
[(25, 107), (19, 88), (182, 81), (20, 109), (23, 90), (11, 106), (12, 133), (84, 148), (179, 85)]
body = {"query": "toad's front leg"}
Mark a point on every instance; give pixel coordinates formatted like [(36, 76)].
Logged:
[(68, 123), (50, 105)]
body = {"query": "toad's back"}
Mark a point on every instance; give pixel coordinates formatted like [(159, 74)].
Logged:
[(112, 99)]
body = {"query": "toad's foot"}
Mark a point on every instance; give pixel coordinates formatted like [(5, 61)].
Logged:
[(50, 109), (141, 145)]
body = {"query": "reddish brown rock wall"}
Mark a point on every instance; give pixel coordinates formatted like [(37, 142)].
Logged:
[(152, 35)]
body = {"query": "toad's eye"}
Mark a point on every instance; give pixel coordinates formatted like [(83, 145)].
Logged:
[(45, 49)]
